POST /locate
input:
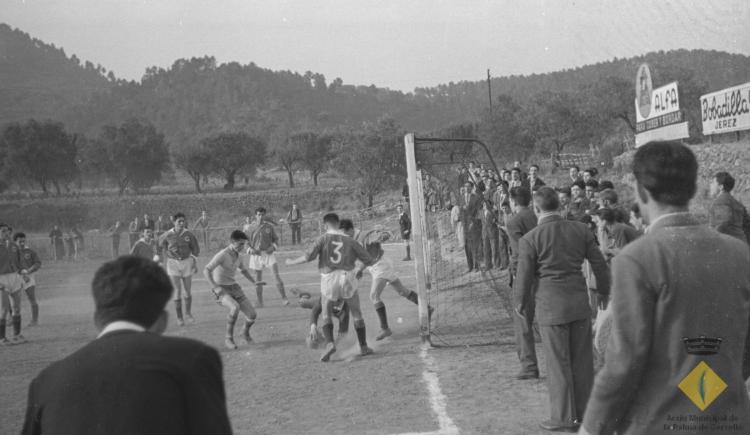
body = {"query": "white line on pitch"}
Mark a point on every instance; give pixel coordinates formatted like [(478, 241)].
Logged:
[(437, 398)]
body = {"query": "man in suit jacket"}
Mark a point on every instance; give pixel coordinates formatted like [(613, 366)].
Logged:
[(680, 305), (523, 221), (550, 258), (471, 204), (490, 235), (727, 215), (533, 182), (131, 379)]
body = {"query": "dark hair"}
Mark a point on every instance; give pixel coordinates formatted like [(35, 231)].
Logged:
[(592, 183), (516, 169), (534, 166), (608, 195), (606, 184), (237, 235), (521, 195), (260, 210), (331, 218), (176, 216), (132, 289), (580, 184), (668, 170), (546, 199), (725, 180), (18, 235), (635, 208), (4, 225), (564, 190), (608, 215), (505, 204), (346, 224), (592, 171), (575, 166)]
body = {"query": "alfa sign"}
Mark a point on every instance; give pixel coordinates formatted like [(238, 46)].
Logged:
[(727, 110), (657, 111)]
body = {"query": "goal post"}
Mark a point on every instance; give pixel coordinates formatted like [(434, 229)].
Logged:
[(467, 308), (416, 198)]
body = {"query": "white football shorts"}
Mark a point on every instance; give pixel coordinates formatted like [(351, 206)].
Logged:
[(28, 284), (11, 282), (383, 269), (264, 260), (180, 268), (339, 284)]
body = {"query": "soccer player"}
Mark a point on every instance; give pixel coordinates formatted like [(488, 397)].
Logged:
[(145, 247), (383, 274), (404, 224), (336, 254), (11, 282), (181, 249), (263, 243), (219, 272), (340, 310), (30, 263)]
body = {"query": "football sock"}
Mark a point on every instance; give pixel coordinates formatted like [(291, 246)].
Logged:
[(408, 251), (188, 305), (2, 329), (259, 294), (34, 312), (231, 320), (328, 332), (412, 296), (16, 320), (380, 309), (178, 308), (280, 286), (359, 327)]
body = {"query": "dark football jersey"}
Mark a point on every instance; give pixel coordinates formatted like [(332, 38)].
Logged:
[(336, 251), (179, 246)]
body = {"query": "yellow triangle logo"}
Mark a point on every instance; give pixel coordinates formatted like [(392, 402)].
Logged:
[(702, 386)]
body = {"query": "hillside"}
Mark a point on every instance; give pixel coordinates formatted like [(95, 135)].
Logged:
[(39, 80), (197, 97)]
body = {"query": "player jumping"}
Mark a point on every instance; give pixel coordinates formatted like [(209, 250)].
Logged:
[(383, 273), (263, 243), (219, 272), (11, 283), (30, 263), (336, 254), (181, 249)]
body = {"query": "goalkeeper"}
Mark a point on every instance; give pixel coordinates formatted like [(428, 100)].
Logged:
[(340, 311)]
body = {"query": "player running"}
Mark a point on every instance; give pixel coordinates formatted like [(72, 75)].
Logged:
[(30, 263), (263, 243), (181, 250), (219, 272), (11, 283), (336, 254), (145, 247), (340, 311)]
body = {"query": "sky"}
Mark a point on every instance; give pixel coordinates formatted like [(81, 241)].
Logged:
[(399, 44)]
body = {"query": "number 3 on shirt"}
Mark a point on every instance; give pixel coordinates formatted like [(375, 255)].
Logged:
[(336, 257)]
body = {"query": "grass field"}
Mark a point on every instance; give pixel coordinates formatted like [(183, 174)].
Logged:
[(277, 385)]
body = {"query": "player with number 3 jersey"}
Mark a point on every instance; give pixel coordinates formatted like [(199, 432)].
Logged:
[(337, 254)]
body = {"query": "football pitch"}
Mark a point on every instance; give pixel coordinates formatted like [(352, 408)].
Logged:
[(277, 385)]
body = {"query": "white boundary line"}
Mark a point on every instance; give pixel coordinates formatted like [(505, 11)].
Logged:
[(437, 398)]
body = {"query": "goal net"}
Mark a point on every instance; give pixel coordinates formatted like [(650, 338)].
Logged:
[(469, 308)]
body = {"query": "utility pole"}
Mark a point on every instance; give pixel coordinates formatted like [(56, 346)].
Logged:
[(489, 90)]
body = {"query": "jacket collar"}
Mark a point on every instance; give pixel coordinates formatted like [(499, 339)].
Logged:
[(549, 217), (680, 219)]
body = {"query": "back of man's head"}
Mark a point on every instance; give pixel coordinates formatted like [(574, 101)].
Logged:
[(546, 199), (132, 289), (346, 225), (521, 196), (237, 235), (725, 180), (608, 197), (331, 219), (668, 170)]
